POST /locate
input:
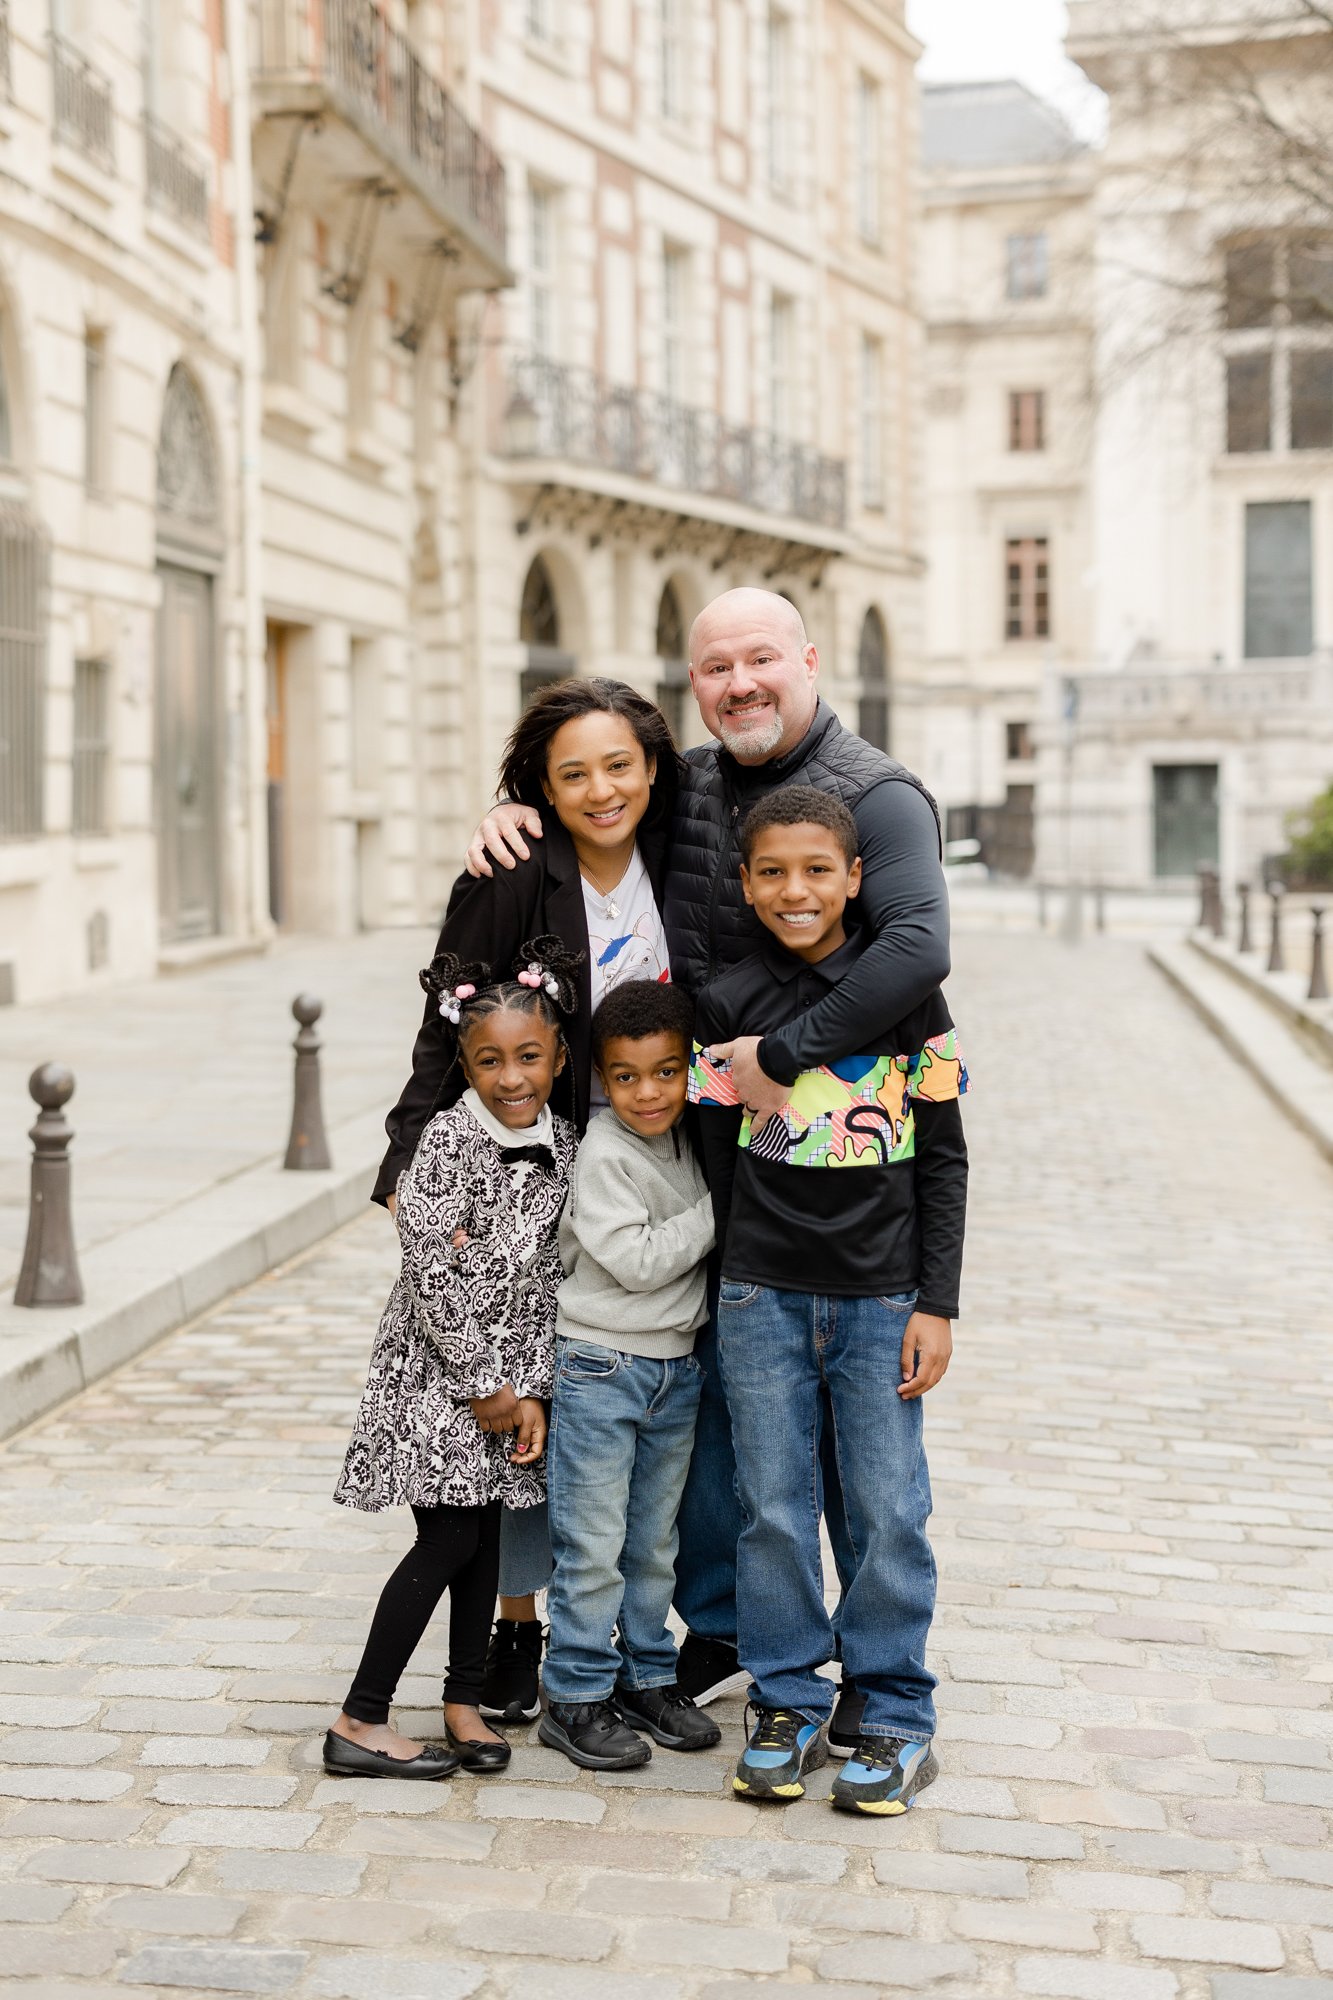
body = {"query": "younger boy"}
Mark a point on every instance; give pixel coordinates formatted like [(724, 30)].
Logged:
[(837, 1285), (634, 1241)]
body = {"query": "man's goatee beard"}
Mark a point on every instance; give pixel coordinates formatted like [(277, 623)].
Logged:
[(750, 746)]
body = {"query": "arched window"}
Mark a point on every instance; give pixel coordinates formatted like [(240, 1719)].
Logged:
[(672, 660), (539, 629), (873, 674), (187, 473)]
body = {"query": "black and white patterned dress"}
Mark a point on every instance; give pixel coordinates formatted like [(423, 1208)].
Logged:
[(460, 1323)]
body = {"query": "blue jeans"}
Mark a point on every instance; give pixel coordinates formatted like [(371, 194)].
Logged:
[(710, 1512), (525, 1551), (778, 1352), (619, 1449)]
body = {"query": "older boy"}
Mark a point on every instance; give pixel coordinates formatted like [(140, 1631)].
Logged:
[(833, 1283)]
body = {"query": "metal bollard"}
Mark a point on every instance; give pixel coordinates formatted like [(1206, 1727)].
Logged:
[(1244, 941), (1099, 907), (49, 1273), (1318, 976), (307, 1148), (1210, 900), (1041, 906), (1276, 962), (1201, 921)]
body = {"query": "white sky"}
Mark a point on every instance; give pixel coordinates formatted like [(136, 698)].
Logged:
[(971, 39)]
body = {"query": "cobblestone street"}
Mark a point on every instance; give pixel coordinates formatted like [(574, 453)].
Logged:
[(1133, 1469)]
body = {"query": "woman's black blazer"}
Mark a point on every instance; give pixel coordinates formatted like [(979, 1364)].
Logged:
[(491, 919)]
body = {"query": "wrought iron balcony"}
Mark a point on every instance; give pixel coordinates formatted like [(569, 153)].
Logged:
[(84, 112), (555, 411), (176, 180), (343, 56)]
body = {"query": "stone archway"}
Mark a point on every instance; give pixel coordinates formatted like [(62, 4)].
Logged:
[(189, 750), (673, 663), (872, 660)]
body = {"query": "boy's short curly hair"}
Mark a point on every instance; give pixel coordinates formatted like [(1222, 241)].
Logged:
[(801, 805), (639, 1008)]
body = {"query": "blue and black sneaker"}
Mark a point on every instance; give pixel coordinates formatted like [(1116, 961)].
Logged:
[(883, 1775), (782, 1748)]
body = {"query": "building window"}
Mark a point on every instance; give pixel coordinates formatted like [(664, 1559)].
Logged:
[(1026, 273), (92, 747), (872, 421), (539, 630), (541, 20), (872, 659), (673, 666), (541, 269), (1018, 742), (1027, 420), (1277, 343), (868, 159), (1027, 590), (675, 323), (94, 410), (779, 99), (781, 343), (1279, 580), (23, 617), (674, 32)]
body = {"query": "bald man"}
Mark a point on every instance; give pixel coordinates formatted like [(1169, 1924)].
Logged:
[(753, 672)]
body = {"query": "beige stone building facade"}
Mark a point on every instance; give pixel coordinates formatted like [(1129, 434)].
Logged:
[(559, 320)]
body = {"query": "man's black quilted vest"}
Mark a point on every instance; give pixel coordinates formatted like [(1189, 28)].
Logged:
[(709, 924)]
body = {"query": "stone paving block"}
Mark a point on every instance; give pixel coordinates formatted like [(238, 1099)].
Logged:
[(235, 1968), (1171, 1853), (995, 1836), (1244, 1819), (667, 1773), (1081, 1979), (73, 1822), (841, 1912), (968, 1795), (950, 1875), (1095, 1889), (1272, 1902), (462, 1840), (180, 1915), (719, 1817), (36, 1782), (445, 1886), (41, 1711), (365, 1976), (1020, 1732), (900, 1965), (239, 1826), (128, 1867), (1210, 1940), (1010, 1923), (582, 1847), (376, 1795), (56, 1746), (541, 1934), (656, 1896), (1252, 1986), (539, 1802), (140, 1717), (1301, 1788), (166, 1683), (30, 1953), (26, 1903), (350, 1920), (1299, 1864), (1085, 1807), (290, 1874), (1236, 1747), (730, 1947), (773, 1861), (224, 1788), (190, 1752)]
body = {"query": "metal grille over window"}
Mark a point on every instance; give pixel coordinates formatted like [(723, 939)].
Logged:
[(24, 561), (84, 111), (177, 182), (92, 747)]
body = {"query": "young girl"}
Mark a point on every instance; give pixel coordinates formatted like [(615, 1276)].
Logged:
[(453, 1419)]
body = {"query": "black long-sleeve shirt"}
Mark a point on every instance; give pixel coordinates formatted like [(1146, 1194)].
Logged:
[(891, 1217)]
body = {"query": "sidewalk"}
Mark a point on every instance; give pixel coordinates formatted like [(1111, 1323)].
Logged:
[(180, 1114)]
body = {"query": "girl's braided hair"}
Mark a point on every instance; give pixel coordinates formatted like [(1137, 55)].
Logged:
[(468, 990)]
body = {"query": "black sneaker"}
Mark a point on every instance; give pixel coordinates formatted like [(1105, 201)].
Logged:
[(510, 1692), (884, 1775), (707, 1669), (592, 1734), (844, 1732), (669, 1716), (781, 1749)]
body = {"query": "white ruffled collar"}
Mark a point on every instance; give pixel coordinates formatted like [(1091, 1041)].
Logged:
[(540, 1133)]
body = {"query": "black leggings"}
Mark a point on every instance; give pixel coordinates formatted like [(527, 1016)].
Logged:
[(457, 1549)]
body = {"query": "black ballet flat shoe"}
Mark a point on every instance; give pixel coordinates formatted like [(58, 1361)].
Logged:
[(478, 1755), (344, 1759)]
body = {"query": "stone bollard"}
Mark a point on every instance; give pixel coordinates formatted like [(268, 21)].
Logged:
[(1244, 942), (1099, 907), (1318, 976), (307, 1148), (1210, 900), (1071, 914), (49, 1273), (1276, 962)]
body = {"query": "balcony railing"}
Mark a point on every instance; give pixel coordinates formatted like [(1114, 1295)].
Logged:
[(84, 115), (176, 180), (374, 76), (1205, 694), (6, 72), (554, 411)]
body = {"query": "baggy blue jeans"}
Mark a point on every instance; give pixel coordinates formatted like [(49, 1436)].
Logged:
[(779, 1352), (621, 1431)]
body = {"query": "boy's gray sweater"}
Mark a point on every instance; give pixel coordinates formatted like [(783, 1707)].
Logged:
[(634, 1240)]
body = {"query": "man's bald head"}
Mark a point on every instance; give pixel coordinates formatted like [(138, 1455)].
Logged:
[(753, 671)]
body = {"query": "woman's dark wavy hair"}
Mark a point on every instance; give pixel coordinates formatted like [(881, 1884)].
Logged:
[(524, 765)]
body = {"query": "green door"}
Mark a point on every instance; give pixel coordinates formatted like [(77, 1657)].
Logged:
[(1184, 817)]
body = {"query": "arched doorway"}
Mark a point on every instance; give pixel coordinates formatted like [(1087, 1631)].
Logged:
[(872, 662), (673, 664), (539, 629), (189, 556)]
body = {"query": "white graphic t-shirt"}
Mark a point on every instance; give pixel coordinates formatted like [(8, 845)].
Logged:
[(625, 939)]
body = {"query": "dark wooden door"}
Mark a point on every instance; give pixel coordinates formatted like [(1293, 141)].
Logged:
[(1184, 817), (187, 757)]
